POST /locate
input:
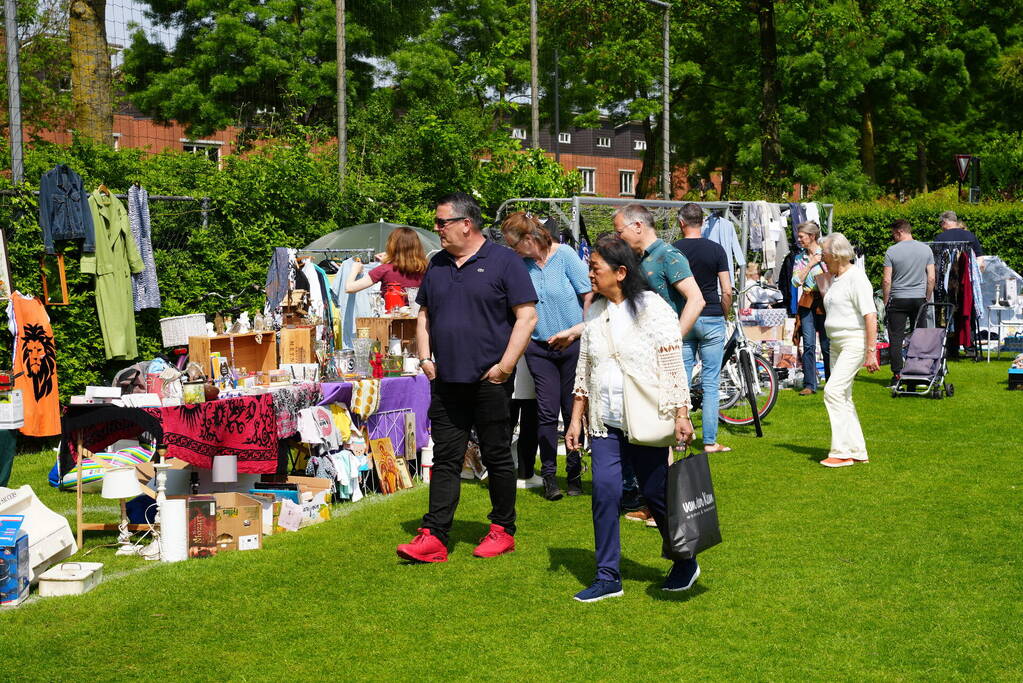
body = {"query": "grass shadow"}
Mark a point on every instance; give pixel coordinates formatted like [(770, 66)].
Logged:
[(815, 454), (655, 592), (580, 563)]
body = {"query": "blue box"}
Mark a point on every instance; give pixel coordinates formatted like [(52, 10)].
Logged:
[(14, 563)]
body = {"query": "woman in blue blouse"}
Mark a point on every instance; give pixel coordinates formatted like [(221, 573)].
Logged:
[(562, 286), (807, 266)]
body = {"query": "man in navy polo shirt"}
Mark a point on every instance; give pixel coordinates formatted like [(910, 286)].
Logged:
[(477, 312)]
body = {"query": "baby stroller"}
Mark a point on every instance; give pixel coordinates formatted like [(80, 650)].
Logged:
[(925, 369)]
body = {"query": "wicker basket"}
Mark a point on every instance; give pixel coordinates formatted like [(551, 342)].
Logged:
[(178, 329)]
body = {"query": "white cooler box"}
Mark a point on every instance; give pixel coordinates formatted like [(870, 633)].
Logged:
[(49, 535)]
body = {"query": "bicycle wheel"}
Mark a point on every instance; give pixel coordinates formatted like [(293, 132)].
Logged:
[(734, 405)]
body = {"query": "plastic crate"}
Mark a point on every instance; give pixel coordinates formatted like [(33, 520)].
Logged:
[(176, 330)]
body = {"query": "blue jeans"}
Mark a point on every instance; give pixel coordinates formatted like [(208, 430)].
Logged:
[(813, 327), (706, 341)]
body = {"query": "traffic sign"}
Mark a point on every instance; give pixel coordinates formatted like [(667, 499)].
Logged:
[(963, 165)]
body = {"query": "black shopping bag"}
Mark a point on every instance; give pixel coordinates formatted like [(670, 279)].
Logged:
[(692, 509)]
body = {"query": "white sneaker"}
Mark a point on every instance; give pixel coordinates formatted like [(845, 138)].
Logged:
[(534, 482)]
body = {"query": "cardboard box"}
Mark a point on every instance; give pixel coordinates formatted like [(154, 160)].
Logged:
[(318, 487), (14, 562), (266, 502), (758, 333), (311, 513), (239, 522), (201, 514)]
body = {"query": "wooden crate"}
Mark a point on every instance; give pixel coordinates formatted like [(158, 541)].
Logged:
[(383, 329), (241, 350), (297, 345)]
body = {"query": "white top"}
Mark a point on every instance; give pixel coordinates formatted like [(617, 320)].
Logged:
[(525, 388), (847, 301), (650, 348)]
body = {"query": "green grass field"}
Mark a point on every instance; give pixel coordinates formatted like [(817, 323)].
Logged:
[(906, 568)]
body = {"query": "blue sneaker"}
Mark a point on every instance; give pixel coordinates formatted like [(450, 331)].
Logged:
[(600, 589), (682, 576)]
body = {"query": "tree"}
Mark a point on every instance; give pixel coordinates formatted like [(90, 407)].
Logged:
[(44, 66), (234, 63), (91, 80)]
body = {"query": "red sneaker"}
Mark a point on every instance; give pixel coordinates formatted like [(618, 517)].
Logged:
[(497, 542), (424, 548)]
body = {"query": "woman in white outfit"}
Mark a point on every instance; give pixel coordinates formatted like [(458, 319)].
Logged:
[(851, 323)]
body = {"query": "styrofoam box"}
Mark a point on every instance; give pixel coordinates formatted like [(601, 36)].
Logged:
[(70, 578), (49, 534)]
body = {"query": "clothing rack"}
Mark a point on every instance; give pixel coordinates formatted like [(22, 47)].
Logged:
[(204, 202), (367, 251), (954, 341)]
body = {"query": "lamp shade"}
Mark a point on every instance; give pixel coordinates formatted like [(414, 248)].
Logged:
[(225, 469), (120, 482)]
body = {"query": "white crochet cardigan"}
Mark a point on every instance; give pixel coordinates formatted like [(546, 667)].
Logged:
[(651, 354)]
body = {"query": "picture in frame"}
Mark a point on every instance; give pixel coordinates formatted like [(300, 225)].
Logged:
[(5, 269), (54, 279), (404, 478), (386, 465)]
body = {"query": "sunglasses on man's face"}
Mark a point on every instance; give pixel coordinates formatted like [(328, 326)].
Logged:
[(442, 223)]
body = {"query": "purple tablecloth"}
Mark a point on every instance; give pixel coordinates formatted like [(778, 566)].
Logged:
[(396, 393)]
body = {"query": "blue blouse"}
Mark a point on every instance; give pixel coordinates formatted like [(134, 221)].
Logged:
[(559, 284)]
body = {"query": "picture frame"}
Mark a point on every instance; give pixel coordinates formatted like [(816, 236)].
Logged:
[(386, 465), (54, 280), (410, 436), (6, 287), (404, 478)]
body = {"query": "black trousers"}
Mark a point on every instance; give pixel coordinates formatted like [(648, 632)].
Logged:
[(900, 311), (454, 410), (524, 416)]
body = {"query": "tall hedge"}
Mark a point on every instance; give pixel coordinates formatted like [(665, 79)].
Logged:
[(284, 194), (998, 226)]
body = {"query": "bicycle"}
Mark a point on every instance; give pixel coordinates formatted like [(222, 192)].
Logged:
[(748, 385)]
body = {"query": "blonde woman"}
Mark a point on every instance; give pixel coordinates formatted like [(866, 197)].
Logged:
[(852, 327)]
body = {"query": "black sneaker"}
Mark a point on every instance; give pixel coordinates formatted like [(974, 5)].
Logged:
[(682, 576), (550, 489), (894, 383), (575, 486)]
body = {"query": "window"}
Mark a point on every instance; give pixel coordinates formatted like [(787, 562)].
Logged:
[(519, 133), (802, 191), (209, 148), (565, 138), (640, 145), (589, 180), (117, 141), (626, 182), (604, 141)]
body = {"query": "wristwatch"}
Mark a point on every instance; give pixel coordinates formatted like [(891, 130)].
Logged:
[(426, 360)]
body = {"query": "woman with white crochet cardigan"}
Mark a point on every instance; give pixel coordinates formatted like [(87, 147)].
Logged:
[(645, 332)]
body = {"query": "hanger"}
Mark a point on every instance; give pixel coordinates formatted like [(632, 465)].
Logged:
[(103, 188)]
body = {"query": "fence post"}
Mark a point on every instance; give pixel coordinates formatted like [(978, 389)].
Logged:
[(14, 92)]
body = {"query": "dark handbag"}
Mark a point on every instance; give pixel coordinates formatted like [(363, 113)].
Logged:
[(692, 508)]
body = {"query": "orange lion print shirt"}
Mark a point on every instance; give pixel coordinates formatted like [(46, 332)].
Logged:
[(35, 356)]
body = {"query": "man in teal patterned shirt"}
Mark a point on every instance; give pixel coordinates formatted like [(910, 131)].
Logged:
[(665, 267)]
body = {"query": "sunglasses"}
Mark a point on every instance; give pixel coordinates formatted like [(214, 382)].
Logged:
[(443, 222)]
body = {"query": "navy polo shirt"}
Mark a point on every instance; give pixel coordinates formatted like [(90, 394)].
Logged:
[(470, 309)]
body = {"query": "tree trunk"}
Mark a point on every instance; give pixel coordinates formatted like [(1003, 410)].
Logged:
[(91, 80), (867, 140), (770, 136), (648, 174), (921, 160)]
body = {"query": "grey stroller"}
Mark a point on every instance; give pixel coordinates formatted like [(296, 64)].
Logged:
[(925, 369)]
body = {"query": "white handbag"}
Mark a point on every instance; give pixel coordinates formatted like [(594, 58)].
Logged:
[(641, 417)]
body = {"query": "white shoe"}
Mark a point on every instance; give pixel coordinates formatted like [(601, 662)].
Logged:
[(534, 482)]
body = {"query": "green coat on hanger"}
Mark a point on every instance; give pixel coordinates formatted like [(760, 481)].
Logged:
[(116, 258)]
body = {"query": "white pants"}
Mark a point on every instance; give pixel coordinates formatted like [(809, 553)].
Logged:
[(847, 357)]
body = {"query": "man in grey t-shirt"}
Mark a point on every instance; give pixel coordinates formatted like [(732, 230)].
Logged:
[(908, 282)]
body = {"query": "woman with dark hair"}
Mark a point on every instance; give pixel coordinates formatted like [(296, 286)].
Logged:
[(559, 277), (631, 331), (403, 266)]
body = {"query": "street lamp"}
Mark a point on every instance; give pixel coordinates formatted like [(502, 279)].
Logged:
[(665, 135)]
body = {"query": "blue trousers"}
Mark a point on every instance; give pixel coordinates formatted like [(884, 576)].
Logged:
[(651, 467), (813, 327), (706, 341)]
